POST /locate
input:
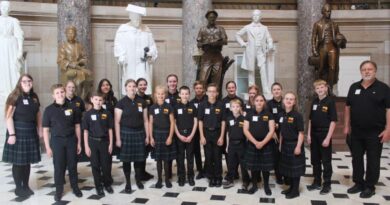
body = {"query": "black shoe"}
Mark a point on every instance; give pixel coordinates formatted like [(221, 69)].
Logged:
[(100, 192), (211, 183), (355, 189), (146, 176), (279, 180), (286, 191), (267, 191), (218, 183), (236, 177), (158, 184), (139, 185), (57, 196), (181, 182), (109, 189), (367, 193), (200, 175), (21, 192), (128, 188), (28, 191), (228, 184), (245, 186), (253, 190), (292, 195), (168, 183), (314, 186), (77, 192), (325, 190), (191, 181)]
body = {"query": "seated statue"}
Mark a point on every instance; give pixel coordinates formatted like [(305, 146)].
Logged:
[(72, 61)]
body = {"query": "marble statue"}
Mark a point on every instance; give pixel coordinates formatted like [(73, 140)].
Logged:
[(11, 50), (135, 48), (72, 61), (326, 43), (259, 43)]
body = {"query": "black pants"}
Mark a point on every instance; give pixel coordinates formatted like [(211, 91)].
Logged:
[(185, 151), (236, 151), (138, 166), (321, 156), (100, 162), (276, 155), (213, 154), (197, 151), (64, 156), (369, 143)]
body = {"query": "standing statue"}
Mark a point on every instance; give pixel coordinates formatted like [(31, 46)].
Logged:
[(326, 43), (72, 61), (211, 39), (11, 50), (135, 48), (259, 43)]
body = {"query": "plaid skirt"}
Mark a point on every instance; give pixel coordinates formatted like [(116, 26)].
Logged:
[(259, 159), (161, 151), (26, 149), (133, 145), (291, 165)]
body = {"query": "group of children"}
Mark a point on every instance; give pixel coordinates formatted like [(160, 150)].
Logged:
[(258, 136)]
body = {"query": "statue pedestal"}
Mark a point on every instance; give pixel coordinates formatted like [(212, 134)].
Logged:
[(338, 138)]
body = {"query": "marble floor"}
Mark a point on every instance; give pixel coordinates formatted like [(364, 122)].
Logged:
[(42, 183)]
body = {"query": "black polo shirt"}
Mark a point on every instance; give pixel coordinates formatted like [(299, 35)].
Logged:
[(197, 101), (109, 104), (26, 108), (211, 114), (160, 115), (247, 107), (61, 119), (322, 113), (259, 123), (132, 112), (185, 115), (275, 107), (226, 101), (77, 102), (147, 98), (173, 99), (98, 122), (368, 106), (290, 124), (235, 127)]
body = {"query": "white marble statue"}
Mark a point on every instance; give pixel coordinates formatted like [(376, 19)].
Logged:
[(259, 43), (11, 50), (135, 48)]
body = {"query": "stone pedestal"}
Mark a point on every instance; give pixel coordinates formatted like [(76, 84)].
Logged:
[(193, 19), (309, 11)]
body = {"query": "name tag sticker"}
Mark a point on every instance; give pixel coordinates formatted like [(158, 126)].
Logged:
[(227, 105), (248, 107), (139, 109), (25, 102), (357, 91), (93, 117), (207, 111), (275, 110), (196, 105), (156, 111), (167, 100), (231, 122), (180, 111), (68, 112), (104, 106), (315, 107), (255, 118), (281, 120)]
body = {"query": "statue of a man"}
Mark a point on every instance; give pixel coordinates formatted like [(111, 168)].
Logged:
[(11, 50), (72, 61), (326, 43), (259, 43), (135, 48), (210, 39)]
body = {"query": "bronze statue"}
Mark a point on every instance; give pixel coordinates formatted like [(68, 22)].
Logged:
[(211, 39), (72, 60), (326, 43)]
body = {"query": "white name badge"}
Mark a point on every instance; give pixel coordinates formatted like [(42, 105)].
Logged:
[(357, 91), (281, 120), (104, 106), (67, 113), (255, 118), (196, 105), (207, 111), (156, 111), (231, 122), (93, 117), (180, 111), (227, 105), (167, 100), (274, 110), (25, 102), (248, 107), (139, 109), (315, 107)]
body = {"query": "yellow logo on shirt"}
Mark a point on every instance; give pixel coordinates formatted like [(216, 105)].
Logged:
[(190, 110), (77, 104), (148, 102), (104, 116), (139, 104), (217, 110), (324, 108), (178, 100), (290, 119), (265, 118), (166, 111), (241, 124)]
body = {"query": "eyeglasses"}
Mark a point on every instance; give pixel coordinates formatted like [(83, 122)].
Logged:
[(26, 81)]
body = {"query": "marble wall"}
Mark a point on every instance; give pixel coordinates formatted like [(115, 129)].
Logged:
[(368, 34)]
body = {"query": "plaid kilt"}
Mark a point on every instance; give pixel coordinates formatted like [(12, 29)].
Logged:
[(26, 149), (133, 145), (259, 159), (162, 151), (289, 164)]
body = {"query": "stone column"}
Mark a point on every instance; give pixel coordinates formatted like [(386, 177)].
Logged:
[(309, 11), (76, 13), (193, 20)]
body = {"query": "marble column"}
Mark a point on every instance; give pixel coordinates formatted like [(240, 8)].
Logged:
[(76, 13), (193, 20), (309, 11)]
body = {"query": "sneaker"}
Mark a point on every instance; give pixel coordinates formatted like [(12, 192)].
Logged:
[(228, 184)]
